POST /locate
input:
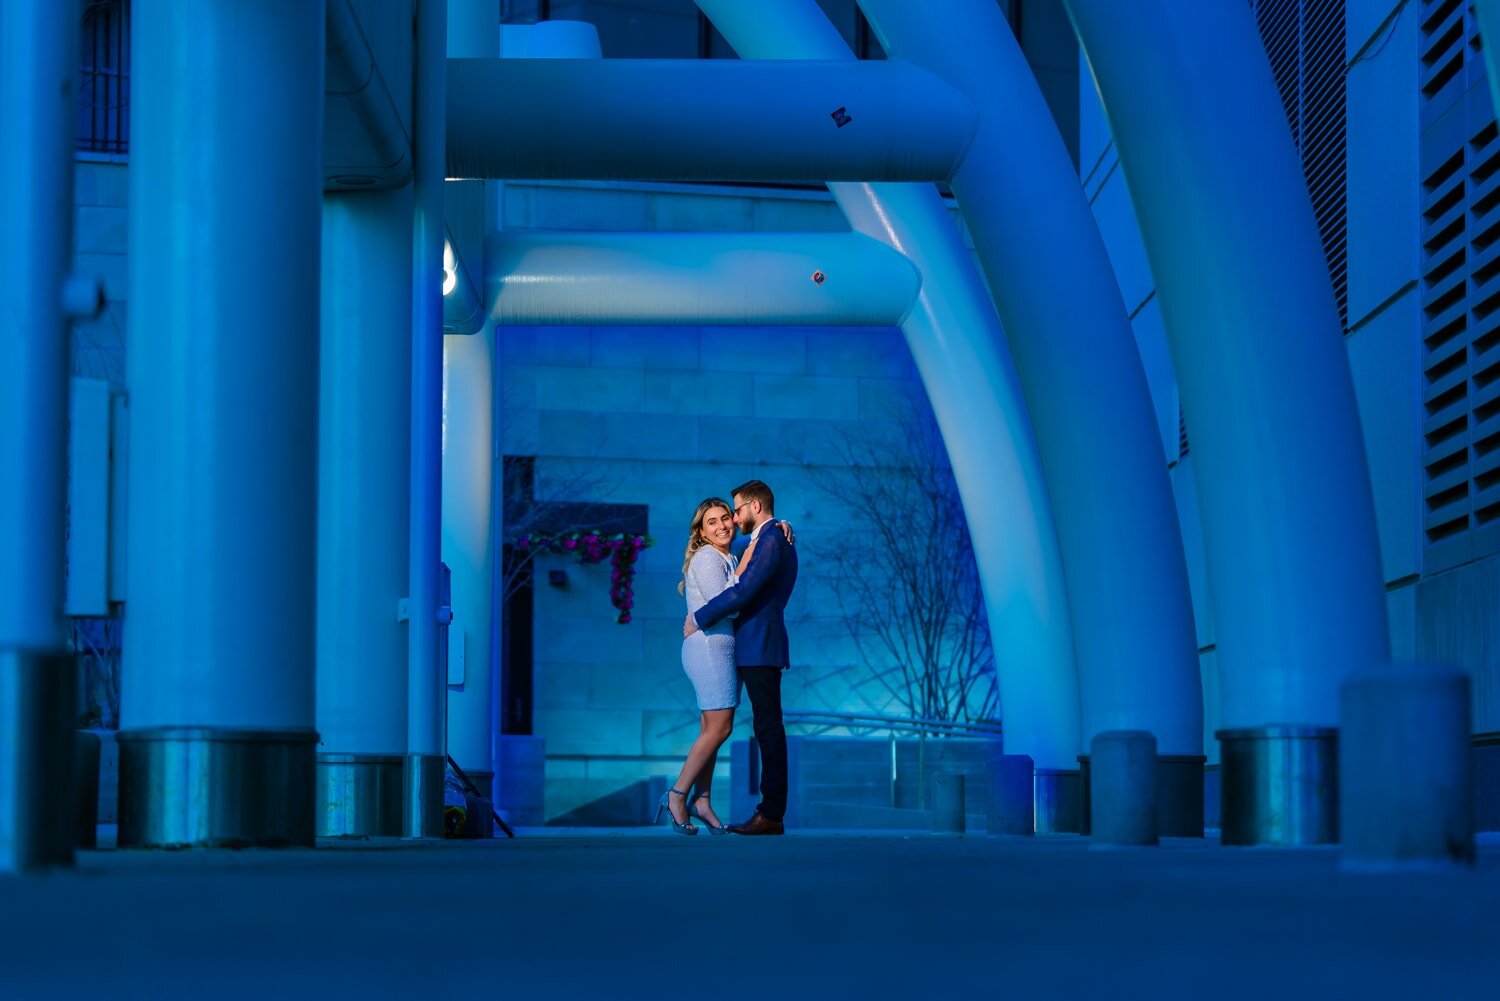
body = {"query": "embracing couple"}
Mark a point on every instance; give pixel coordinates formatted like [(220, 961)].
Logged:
[(718, 654)]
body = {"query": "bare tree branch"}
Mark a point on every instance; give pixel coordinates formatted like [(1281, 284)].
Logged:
[(910, 597)]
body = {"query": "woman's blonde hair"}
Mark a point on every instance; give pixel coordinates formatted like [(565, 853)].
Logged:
[(696, 541)]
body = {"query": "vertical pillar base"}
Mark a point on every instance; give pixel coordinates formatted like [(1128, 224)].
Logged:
[(359, 795), (422, 795), (185, 787), (1278, 785), (38, 822), (1058, 807), (1179, 795)]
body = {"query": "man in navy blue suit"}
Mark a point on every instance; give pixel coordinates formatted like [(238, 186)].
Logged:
[(767, 572)]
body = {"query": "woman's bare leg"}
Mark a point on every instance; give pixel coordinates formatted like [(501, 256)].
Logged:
[(714, 727), (704, 786)]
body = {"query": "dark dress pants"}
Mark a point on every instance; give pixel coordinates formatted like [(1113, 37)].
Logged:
[(763, 685)]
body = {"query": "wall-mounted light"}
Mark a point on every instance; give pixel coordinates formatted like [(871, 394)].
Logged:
[(450, 269)]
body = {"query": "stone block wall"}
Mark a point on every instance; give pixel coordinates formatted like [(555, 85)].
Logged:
[(99, 250), (664, 417)]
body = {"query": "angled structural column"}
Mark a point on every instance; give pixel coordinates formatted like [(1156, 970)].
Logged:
[(225, 204), (960, 352), (1288, 517), (1085, 388), (364, 502), (38, 52)]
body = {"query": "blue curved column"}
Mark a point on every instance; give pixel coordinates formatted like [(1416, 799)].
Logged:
[(38, 53), (225, 215), (958, 345), (364, 502), (1086, 391), (1288, 516)]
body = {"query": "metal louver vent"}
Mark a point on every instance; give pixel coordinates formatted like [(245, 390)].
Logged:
[(1460, 289), (1304, 40)]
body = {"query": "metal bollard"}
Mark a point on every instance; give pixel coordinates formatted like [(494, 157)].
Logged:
[(947, 803), (1123, 788)]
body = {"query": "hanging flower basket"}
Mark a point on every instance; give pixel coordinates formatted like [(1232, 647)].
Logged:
[(595, 547)]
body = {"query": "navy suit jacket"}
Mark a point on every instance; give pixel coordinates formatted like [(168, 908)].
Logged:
[(760, 597)]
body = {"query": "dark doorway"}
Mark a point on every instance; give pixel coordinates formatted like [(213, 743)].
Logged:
[(539, 517)]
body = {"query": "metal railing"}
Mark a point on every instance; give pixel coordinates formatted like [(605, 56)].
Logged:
[(862, 724), (893, 724)]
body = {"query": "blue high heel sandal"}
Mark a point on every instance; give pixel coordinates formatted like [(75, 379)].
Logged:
[(693, 812), (687, 828)]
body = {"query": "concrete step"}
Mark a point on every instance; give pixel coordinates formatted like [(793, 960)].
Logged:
[(859, 816)]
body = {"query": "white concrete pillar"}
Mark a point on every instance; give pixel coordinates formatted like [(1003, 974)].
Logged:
[(225, 220), (364, 500)]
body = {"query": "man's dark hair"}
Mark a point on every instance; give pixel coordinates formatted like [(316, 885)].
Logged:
[(757, 491)]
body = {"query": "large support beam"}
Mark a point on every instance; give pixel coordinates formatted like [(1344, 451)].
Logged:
[(225, 204), (365, 145), (1289, 521), (422, 815), (702, 120), (697, 278), (38, 50), (364, 501), (960, 352), (1076, 355)]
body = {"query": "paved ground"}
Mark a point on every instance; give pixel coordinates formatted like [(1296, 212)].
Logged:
[(645, 913)]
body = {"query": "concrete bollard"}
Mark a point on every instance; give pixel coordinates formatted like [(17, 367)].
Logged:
[(947, 803), (1012, 810), (1122, 788), (1406, 790)]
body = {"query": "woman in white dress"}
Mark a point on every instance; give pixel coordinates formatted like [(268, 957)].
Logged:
[(708, 660)]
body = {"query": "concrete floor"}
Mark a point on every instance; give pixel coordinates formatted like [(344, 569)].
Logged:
[(628, 914)]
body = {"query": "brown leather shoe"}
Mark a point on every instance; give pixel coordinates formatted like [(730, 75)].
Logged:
[(758, 824)]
